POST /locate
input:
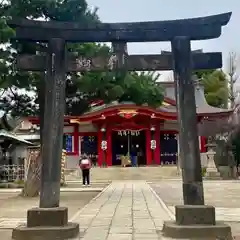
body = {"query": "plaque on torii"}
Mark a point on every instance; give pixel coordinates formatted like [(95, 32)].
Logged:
[(153, 62)]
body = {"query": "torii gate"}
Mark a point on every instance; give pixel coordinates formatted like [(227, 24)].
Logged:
[(180, 33)]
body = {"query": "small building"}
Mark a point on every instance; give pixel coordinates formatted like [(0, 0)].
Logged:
[(109, 131), (12, 146), (13, 150)]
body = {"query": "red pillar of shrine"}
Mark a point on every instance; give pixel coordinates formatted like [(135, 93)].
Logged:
[(203, 144), (109, 146), (100, 151), (148, 147), (157, 150)]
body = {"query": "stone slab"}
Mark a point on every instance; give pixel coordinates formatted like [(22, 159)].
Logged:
[(212, 175), (47, 217), (219, 231), (126, 210), (71, 230), (65, 189), (195, 214)]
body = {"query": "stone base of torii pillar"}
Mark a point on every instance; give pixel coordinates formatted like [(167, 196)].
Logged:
[(46, 224), (196, 222)]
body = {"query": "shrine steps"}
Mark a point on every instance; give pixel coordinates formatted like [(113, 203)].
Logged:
[(132, 173)]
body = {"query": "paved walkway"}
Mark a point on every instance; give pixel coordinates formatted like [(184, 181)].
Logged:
[(66, 189), (124, 211), (131, 210)]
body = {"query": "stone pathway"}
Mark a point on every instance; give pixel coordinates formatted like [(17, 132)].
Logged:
[(124, 211), (127, 210)]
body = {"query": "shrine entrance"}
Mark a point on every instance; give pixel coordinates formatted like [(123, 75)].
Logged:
[(130, 143)]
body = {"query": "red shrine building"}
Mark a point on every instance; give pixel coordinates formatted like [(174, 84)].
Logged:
[(109, 131)]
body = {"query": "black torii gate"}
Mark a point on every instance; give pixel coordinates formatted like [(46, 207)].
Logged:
[(179, 33)]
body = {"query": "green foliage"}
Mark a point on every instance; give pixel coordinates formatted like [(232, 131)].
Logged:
[(204, 170), (5, 31), (215, 87), (133, 87), (81, 87), (142, 89)]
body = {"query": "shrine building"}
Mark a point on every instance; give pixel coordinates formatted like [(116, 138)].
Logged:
[(108, 131)]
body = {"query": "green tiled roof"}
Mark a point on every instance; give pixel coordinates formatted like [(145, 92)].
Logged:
[(8, 135), (101, 107)]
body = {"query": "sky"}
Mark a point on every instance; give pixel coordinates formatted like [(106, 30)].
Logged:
[(156, 10)]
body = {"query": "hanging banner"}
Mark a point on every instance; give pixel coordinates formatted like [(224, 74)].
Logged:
[(104, 145), (69, 143)]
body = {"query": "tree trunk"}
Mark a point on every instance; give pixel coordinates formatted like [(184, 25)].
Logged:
[(32, 173), (34, 163)]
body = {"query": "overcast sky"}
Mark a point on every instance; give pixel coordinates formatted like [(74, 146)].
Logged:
[(153, 10)]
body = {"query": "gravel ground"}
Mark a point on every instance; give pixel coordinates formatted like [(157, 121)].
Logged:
[(217, 193), (221, 194), (13, 206)]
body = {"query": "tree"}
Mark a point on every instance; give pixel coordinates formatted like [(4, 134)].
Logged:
[(219, 89), (131, 87), (67, 10), (12, 81), (79, 86), (233, 136), (232, 72), (215, 87)]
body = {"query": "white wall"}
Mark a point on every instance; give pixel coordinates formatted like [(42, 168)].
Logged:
[(72, 162), (169, 125), (88, 127)]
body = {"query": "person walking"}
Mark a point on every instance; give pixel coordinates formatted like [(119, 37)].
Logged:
[(85, 165)]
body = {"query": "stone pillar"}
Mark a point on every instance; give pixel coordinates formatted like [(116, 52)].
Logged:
[(53, 125), (194, 220), (188, 132), (211, 171), (50, 221)]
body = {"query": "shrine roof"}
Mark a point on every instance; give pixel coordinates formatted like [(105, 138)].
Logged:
[(203, 108), (167, 109), (168, 106)]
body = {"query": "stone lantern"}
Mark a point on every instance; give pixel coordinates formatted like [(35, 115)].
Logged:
[(211, 171)]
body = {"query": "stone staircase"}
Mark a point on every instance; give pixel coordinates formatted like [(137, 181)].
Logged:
[(129, 173)]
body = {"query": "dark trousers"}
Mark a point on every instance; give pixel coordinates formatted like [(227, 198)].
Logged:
[(85, 176)]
